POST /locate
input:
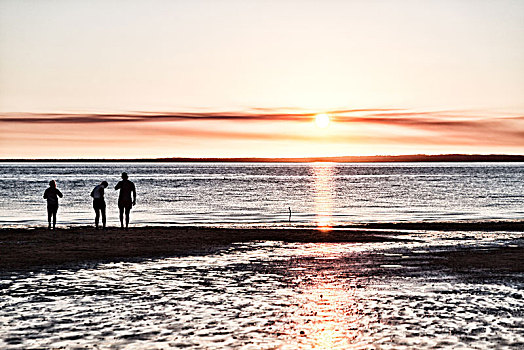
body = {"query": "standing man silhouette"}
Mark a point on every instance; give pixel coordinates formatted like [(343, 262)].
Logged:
[(99, 204), (51, 194), (126, 187)]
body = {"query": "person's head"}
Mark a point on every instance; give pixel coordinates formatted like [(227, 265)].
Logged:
[(52, 184), (124, 176), (105, 184)]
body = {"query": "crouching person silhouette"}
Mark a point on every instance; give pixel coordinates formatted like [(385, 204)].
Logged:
[(99, 204)]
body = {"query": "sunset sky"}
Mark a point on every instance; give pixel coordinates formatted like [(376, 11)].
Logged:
[(136, 79)]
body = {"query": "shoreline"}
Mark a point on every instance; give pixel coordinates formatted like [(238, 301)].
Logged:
[(489, 225), (34, 248)]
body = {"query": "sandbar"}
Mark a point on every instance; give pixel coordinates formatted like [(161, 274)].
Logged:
[(34, 248)]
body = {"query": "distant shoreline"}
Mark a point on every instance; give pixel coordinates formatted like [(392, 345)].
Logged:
[(344, 159)]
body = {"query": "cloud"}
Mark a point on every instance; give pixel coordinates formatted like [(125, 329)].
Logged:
[(431, 127), (56, 118)]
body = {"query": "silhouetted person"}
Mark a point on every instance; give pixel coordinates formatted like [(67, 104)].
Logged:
[(52, 194), (126, 187), (99, 204)]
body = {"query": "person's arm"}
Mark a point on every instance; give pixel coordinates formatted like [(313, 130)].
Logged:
[(59, 193), (93, 192), (45, 194), (101, 192), (118, 185), (134, 195)]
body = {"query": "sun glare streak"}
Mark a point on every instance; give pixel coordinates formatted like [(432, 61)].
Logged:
[(324, 195)]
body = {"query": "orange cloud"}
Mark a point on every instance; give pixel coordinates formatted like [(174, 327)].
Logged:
[(372, 127)]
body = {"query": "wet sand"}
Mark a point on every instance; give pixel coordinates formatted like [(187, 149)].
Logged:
[(506, 259), (38, 247), (486, 226), (210, 288), (33, 248)]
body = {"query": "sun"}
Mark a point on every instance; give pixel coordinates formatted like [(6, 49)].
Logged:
[(322, 120)]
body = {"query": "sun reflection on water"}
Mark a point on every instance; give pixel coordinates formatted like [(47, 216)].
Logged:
[(328, 312), (335, 311), (323, 184), (328, 317)]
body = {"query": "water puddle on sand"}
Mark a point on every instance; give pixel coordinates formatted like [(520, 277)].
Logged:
[(264, 295)]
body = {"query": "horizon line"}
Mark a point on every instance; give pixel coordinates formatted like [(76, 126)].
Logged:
[(336, 159)]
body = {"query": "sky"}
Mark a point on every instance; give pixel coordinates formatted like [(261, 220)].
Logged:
[(139, 79)]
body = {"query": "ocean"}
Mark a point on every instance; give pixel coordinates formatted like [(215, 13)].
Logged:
[(221, 194)]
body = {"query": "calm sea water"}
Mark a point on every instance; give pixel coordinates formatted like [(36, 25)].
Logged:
[(323, 194)]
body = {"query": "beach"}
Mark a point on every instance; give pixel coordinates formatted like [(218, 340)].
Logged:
[(365, 286)]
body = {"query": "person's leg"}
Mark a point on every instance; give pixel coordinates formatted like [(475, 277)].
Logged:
[(128, 210), (54, 217), (121, 216), (103, 210), (97, 216), (49, 215)]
